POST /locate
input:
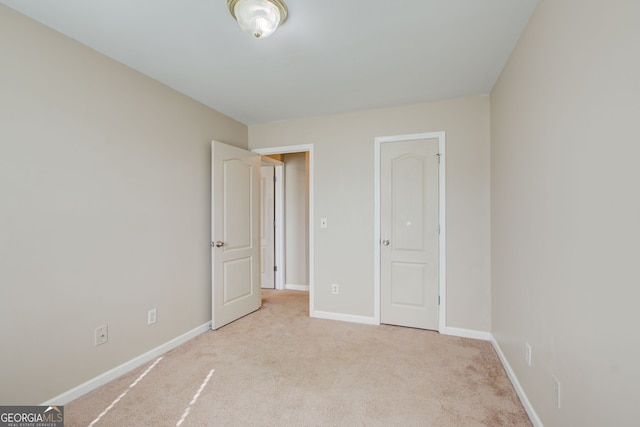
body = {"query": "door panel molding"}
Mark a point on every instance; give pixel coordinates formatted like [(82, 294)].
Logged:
[(442, 261)]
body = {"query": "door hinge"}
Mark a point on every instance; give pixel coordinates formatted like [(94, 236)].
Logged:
[(275, 268), (274, 224), (438, 228), (274, 178), (438, 299), (439, 155)]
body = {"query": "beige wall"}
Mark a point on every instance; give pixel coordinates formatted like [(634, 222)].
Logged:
[(344, 194), (566, 210), (104, 211)]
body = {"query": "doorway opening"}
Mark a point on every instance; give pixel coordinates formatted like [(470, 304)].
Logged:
[(292, 209), (272, 254)]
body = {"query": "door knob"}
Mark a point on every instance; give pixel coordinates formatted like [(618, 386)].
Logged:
[(217, 244), (385, 242)]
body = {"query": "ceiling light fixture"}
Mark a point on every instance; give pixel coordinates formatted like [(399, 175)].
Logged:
[(258, 18)]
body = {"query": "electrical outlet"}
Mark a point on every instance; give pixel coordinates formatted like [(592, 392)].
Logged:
[(335, 289), (527, 353), (323, 223), (101, 335), (555, 391), (152, 316)]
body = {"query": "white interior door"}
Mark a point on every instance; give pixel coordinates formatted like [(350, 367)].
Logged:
[(235, 241), (409, 233), (267, 230)]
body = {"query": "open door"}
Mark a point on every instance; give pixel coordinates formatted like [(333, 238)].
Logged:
[(235, 240)]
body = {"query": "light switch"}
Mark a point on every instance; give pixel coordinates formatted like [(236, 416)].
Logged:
[(323, 222)]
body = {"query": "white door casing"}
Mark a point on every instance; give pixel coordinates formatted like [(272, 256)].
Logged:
[(416, 251), (267, 232), (235, 207)]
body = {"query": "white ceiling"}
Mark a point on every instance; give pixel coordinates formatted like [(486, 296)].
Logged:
[(330, 56)]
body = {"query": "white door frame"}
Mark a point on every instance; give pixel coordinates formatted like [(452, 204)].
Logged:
[(442, 241), (279, 258), (300, 149)]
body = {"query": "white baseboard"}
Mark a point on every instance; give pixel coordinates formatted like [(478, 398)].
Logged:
[(535, 420), (294, 287), (126, 367), (343, 317), (467, 333)]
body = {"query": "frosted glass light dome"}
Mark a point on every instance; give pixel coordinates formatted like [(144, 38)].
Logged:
[(258, 18)]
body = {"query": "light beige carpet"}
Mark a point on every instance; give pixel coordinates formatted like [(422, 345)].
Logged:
[(279, 367)]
